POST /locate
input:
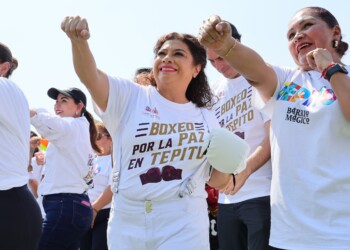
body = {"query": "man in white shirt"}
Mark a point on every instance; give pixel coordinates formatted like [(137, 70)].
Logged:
[(244, 205)]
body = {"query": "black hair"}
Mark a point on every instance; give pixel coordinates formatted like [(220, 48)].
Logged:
[(6, 56), (331, 21), (234, 32), (198, 91)]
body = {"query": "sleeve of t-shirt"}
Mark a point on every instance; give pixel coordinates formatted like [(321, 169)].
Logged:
[(121, 92), (53, 127), (268, 107)]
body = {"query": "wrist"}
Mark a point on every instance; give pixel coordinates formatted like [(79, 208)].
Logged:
[(228, 49), (324, 71), (333, 68)]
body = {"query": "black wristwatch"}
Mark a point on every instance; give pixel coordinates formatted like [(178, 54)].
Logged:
[(335, 68)]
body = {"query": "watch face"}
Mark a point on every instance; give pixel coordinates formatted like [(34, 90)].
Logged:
[(344, 69)]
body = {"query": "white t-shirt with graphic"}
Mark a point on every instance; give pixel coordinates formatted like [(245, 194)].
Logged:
[(157, 143), (69, 159), (310, 141), (101, 175), (14, 135), (235, 112)]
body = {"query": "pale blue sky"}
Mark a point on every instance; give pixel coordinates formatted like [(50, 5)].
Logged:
[(123, 34)]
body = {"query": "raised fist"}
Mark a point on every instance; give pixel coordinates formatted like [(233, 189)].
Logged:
[(76, 28)]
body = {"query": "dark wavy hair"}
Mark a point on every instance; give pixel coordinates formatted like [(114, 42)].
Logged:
[(331, 21), (198, 91), (6, 56)]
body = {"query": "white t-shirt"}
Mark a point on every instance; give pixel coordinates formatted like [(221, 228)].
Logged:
[(38, 170), (69, 159), (101, 174), (156, 143), (235, 112), (310, 141), (14, 135)]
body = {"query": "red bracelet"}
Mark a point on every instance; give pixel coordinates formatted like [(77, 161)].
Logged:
[(324, 72)]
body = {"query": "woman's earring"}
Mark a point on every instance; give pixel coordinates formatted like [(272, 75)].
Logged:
[(335, 44), (76, 112)]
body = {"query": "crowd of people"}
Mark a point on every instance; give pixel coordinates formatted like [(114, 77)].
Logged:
[(254, 160)]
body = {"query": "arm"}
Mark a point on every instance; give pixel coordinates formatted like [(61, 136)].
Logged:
[(33, 185), (219, 180), (104, 199), (95, 80), (341, 86), (255, 161), (215, 34), (52, 127), (320, 59)]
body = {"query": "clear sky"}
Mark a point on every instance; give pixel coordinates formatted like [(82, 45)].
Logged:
[(123, 34)]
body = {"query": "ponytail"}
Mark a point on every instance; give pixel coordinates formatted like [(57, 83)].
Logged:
[(93, 130)]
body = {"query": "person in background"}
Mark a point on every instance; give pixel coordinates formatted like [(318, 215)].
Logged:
[(33, 181), (244, 208), (70, 159), (310, 127), (37, 167), (37, 163), (20, 219), (158, 131), (143, 76), (101, 195)]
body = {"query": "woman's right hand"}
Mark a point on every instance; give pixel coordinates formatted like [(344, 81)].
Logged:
[(76, 28)]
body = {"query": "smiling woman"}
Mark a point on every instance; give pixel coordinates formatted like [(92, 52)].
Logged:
[(158, 143), (69, 165)]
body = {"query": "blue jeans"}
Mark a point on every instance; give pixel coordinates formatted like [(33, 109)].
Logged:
[(68, 217), (96, 237)]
